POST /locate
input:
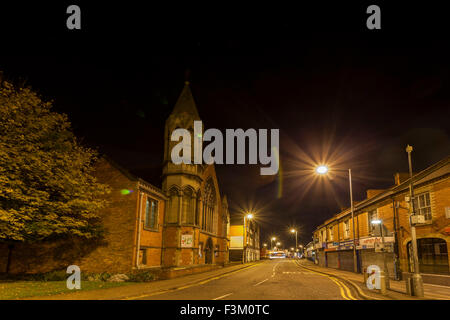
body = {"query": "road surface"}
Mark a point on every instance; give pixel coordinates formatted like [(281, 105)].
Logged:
[(278, 279)]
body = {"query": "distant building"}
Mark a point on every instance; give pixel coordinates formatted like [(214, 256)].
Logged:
[(244, 241), (264, 253), (333, 240)]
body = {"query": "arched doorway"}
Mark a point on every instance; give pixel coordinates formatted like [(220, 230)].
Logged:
[(208, 251), (433, 255)]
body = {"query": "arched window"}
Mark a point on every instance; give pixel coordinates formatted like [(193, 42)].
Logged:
[(198, 208), (209, 211), (188, 206)]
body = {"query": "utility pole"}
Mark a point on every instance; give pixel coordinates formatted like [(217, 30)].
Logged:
[(355, 262), (296, 243), (386, 271), (244, 244), (417, 282)]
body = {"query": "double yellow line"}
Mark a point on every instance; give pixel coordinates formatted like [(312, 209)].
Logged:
[(345, 291), (190, 285)]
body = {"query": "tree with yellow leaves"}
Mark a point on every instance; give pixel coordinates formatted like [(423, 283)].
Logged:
[(46, 187)]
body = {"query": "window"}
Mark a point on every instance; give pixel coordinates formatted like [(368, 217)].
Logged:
[(433, 255), (188, 206), (347, 228), (151, 214), (330, 233), (142, 257), (324, 236), (422, 205), (372, 216), (209, 212)]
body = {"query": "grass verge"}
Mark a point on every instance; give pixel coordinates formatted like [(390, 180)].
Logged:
[(25, 289)]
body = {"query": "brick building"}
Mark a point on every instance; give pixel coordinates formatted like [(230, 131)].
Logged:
[(244, 239), (174, 230), (197, 215), (333, 240)]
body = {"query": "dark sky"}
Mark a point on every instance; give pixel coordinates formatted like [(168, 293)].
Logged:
[(339, 93)]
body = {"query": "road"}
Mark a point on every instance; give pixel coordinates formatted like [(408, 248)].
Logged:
[(279, 279)]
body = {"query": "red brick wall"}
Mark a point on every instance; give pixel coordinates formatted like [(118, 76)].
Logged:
[(114, 253), (151, 240)]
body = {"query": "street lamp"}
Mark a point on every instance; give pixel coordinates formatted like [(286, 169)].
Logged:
[(295, 231), (248, 216), (278, 244), (384, 276), (271, 242), (323, 169), (417, 282)]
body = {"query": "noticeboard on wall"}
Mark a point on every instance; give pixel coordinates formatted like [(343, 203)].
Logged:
[(187, 240)]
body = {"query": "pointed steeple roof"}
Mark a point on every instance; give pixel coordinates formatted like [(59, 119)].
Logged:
[(185, 103)]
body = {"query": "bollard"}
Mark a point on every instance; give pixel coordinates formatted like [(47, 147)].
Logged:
[(383, 289)]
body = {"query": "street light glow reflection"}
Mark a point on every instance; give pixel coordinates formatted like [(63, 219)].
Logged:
[(377, 221)]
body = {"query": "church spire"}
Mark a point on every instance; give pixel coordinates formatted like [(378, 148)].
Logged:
[(185, 103)]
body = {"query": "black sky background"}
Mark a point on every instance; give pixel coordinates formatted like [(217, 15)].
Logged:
[(314, 72)]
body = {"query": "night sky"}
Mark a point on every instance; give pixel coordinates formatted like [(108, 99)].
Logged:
[(338, 92)]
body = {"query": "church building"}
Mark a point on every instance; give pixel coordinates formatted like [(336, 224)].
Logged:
[(197, 216), (178, 229)]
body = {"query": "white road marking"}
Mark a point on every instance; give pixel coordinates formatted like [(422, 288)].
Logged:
[(225, 295), (260, 283)]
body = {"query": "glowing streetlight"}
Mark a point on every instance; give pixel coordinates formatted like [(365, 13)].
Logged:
[(295, 231), (248, 216), (271, 242), (322, 169)]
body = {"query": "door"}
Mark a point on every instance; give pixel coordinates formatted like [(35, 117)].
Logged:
[(209, 251)]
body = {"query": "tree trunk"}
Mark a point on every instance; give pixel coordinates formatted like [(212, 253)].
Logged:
[(8, 264)]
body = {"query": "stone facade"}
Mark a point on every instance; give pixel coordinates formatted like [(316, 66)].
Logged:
[(197, 214)]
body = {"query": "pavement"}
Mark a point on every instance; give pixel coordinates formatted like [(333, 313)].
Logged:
[(397, 289), (278, 279)]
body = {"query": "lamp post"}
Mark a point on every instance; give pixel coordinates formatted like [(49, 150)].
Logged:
[(271, 242), (295, 231), (248, 216), (384, 276), (322, 170), (417, 282)]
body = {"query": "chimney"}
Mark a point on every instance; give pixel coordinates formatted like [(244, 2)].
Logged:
[(400, 177)]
